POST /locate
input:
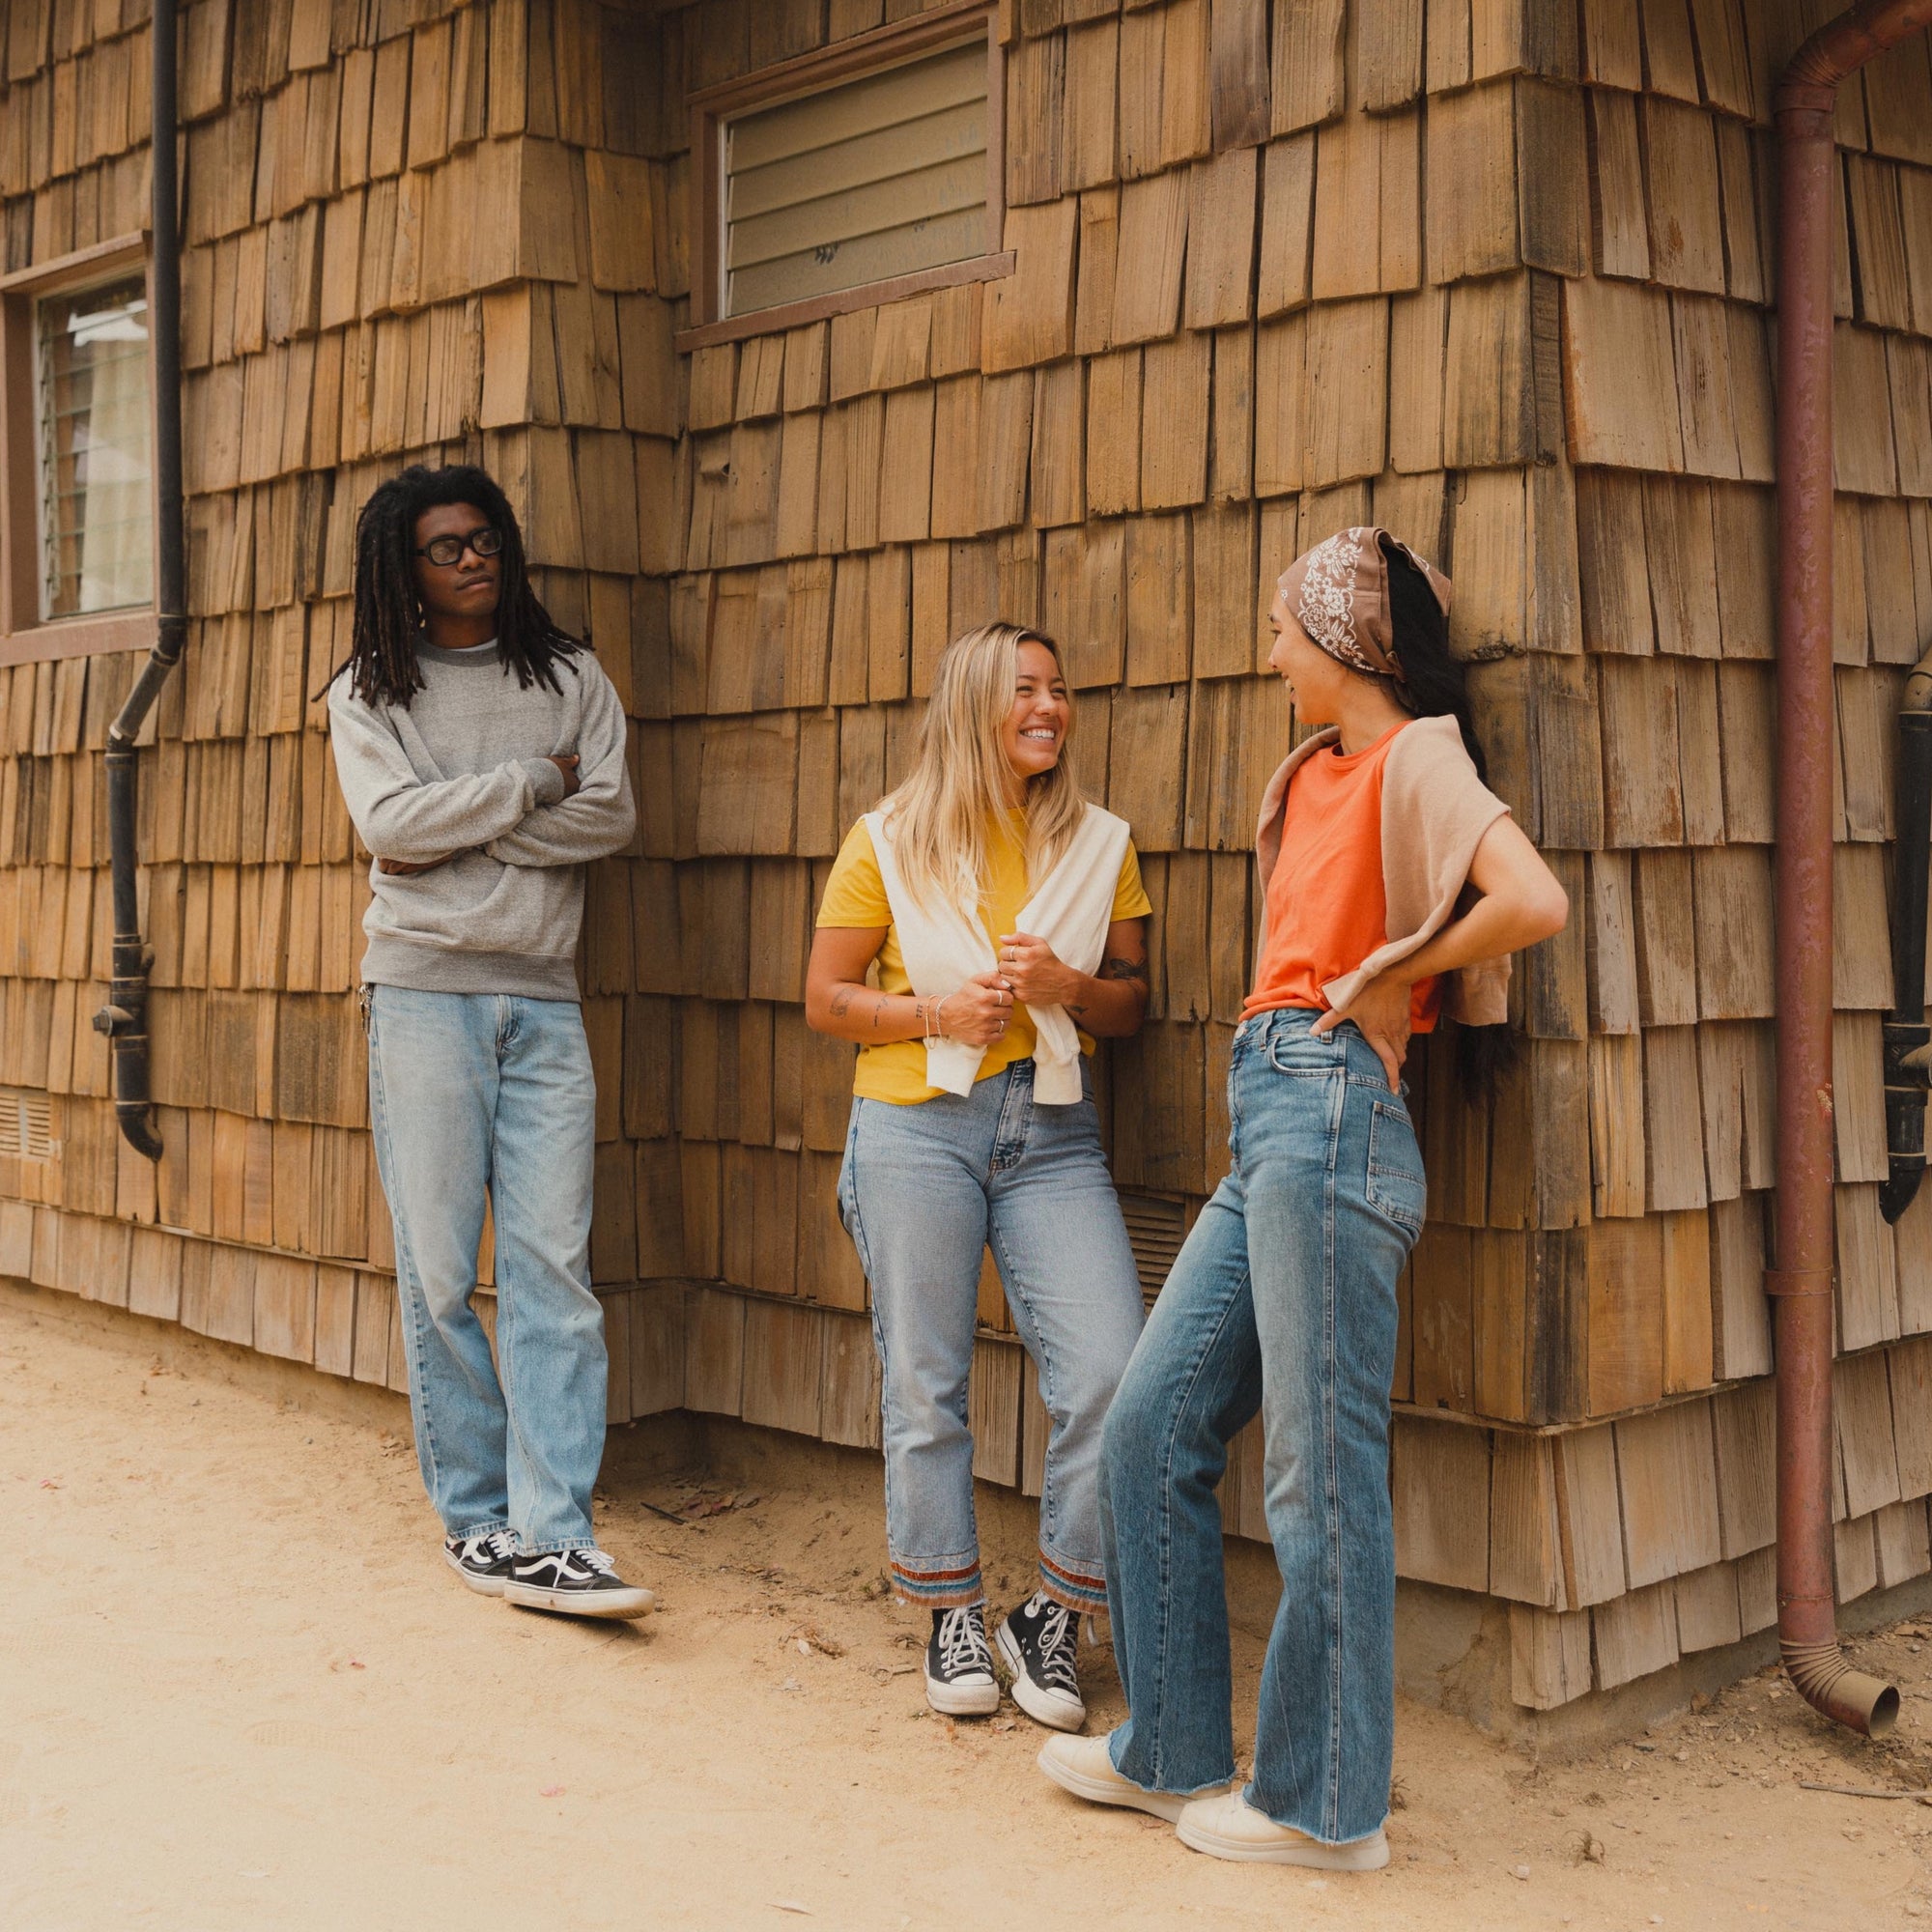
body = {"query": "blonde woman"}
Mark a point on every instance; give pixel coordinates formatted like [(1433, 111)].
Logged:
[(978, 931)]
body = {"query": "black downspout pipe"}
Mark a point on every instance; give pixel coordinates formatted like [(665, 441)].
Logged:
[(125, 1018), (1907, 1036)]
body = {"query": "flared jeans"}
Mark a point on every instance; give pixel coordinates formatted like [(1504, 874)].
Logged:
[(925, 1190), (1282, 1301)]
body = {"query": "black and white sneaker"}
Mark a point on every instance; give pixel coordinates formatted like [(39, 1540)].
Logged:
[(960, 1680), (1038, 1641), (483, 1562), (580, 1582)]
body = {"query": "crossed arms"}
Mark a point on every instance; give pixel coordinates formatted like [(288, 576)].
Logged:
[(559, 810)]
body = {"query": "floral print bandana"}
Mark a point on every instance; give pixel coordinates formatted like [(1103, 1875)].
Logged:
[(1339, 593)]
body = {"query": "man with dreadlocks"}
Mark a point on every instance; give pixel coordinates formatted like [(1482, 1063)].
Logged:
[(481, 754)]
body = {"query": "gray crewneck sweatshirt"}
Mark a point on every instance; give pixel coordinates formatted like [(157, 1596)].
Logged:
[(461, 780)]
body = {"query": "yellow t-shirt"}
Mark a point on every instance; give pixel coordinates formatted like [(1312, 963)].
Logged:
[(855, 895)]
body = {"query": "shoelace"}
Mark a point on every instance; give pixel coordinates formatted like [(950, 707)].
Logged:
[(494, 1546), (962, 1643), (1059, 1668), (595, 1559)]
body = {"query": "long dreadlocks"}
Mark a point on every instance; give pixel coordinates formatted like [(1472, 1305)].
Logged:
[(381, 665)]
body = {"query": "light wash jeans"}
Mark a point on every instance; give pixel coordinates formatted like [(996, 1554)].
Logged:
[(471, 1092), (925, 1190), (1283, 1300)]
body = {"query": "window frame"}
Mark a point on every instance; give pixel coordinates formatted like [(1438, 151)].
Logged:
[(809, 73), (25, 636)]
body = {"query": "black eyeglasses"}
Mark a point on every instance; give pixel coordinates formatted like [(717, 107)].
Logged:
[(445, 551)]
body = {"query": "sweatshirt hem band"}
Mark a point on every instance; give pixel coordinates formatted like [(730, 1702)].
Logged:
[(436, 969)]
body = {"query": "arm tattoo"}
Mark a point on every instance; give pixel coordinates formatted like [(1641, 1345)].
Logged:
[(1125, 968), (842, 1003), (878, 1009)]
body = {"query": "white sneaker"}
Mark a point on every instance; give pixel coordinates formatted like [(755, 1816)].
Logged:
[(1229, 1827), (1084, 1767), (960, 1680)]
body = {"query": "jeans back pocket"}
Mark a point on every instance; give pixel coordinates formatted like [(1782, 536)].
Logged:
[(1396, 1185)]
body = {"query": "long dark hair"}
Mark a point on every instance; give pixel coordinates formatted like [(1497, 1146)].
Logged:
[(382, 666), (1433, 684)]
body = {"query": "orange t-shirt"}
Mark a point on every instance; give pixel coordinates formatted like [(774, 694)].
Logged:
[(1326, 911)]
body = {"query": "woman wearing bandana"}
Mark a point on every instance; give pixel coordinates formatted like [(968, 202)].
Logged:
[(1396, 885)]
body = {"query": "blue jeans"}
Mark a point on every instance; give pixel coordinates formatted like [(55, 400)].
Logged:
[(925, 1190), (483, 1093), (1283, 1300)]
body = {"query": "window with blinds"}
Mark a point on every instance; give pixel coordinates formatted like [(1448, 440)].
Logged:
[(96, 515), (876, 177)]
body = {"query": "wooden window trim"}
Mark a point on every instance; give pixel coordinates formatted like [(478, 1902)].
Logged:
[(881, 46), (25, 637)]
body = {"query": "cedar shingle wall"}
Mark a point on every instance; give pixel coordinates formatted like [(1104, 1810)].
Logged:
[(1497, 282)]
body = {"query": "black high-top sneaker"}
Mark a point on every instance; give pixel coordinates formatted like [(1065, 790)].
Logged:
[(1038, 1641), (960, 1680), (579, 1582), (483, 1562)]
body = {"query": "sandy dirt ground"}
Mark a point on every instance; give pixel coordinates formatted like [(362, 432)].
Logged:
[(239, 1690)]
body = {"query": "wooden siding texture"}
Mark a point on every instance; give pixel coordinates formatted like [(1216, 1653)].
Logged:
[(1500, 283)]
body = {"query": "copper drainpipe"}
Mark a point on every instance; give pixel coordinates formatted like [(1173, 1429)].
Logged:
[(1801, 1282)]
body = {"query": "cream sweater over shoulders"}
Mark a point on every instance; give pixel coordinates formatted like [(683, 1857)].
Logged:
[(1435, 812), (944, 945)]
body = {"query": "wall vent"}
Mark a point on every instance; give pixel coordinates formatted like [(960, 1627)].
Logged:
[(26, 1125), (1157, 1227)]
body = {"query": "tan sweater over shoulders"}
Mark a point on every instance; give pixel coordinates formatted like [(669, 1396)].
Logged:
[(1435, 812)]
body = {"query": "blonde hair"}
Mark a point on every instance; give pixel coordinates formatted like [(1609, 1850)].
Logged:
[(960, 776)]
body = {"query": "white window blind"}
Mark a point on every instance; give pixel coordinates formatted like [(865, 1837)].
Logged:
[(876, 177), (96, 523)]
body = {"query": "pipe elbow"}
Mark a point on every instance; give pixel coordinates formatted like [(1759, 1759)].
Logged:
[(1918, 686), (1899, 1189), (139, 1135), (1843, 45), (1854, 1698)]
